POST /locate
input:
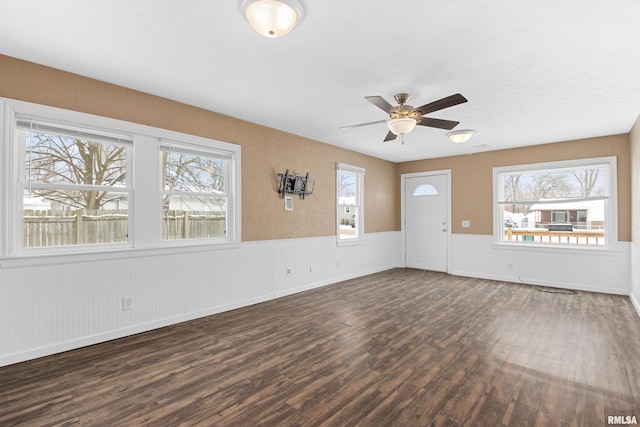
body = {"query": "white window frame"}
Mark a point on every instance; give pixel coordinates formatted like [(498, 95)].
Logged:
[(145, 206), (194, 149), (611, 204), (359, 203), (15, 233)]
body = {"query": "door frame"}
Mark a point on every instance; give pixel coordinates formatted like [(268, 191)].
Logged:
[(403, 219)]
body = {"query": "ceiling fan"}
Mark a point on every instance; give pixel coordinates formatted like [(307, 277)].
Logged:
[(403, 117)]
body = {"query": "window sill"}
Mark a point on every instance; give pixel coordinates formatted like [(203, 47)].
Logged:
[(42, 259), (557, 249), (349, 242)]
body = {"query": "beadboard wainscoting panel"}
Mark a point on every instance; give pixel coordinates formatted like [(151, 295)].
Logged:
[(635, 276), (597, 271), (46, 309), (304, 264)]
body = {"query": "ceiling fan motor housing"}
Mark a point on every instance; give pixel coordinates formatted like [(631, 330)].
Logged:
[(404, 111)]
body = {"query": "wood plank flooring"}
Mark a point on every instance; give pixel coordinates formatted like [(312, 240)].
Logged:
[(397, 348)]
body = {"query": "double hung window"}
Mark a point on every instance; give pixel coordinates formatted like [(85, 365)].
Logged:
[(560, 204), (195, 194), (67, 185), (74, 185), (349, 203)]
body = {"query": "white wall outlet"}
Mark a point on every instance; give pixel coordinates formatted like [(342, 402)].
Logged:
[(288, 271), (466, 223), (510, 267), (127, 303), (311, 268)]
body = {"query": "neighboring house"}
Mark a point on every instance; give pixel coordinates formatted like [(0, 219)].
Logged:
[(347, 209), (36, 204), (584, 215), (195, 204)]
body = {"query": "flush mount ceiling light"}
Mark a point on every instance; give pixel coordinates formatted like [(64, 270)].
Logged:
[(272, 18), (460, 136)]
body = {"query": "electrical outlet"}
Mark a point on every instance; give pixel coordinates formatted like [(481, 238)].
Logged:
[(127, 303), (510, 267), (311, 268), (288, 271)]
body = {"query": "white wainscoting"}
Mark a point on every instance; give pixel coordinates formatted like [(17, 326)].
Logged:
[(46, 309), (600, 271), (635, 276)]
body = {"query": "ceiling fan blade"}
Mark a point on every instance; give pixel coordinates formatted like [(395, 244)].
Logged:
[(438, 123), (390, 137), (380, 102), (363, 124), (440, 104)]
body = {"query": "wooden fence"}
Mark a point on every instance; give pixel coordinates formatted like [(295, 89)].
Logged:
[(192, 224), (60, 228)]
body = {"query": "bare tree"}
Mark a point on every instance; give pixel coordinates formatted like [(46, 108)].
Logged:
[(346, 185), (513, 191), (548, 186), (587, 179), (57, 159), (192, 173)]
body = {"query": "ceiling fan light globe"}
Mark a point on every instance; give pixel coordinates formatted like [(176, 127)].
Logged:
[(401, 126), (271, 18), (460, 136)]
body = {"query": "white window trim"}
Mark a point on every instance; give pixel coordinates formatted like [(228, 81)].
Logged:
[(15, 233), (226, 193), (360, 173), (611, 208), (146, 140)]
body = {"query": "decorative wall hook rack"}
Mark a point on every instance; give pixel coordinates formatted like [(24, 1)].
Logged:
[(295, 184)]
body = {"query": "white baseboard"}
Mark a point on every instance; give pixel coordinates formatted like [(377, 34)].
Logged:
[(537, 282), (200, 285), (61, 347), (331, 281), (593, 271)]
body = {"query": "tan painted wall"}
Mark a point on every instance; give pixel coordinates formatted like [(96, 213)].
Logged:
[(472, 177), (265, 151)]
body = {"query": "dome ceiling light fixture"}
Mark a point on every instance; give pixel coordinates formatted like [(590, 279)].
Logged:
[(272, 18), (402, 126), (460, 136)]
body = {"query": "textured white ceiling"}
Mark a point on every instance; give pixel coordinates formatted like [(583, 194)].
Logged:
[(534, 72)]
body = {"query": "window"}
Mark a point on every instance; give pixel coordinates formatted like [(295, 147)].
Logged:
[(425, 190), (67, 187), (559, 216), (350, 211), (74, 185), (195, 195), (569, 203)]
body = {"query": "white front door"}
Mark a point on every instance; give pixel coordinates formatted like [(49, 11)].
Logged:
[(426, 222)]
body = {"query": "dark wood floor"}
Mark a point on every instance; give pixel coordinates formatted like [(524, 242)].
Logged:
[(397, 348)]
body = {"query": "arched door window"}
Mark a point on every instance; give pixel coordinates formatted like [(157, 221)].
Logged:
[(425, 190)]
